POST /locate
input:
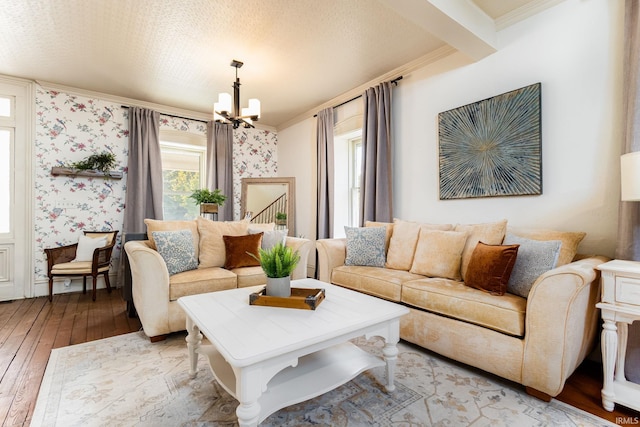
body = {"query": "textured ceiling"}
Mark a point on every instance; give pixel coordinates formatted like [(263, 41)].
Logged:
[(297, 54)]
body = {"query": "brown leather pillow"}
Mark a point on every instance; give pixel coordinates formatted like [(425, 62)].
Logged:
[(236, 248), (490, 267)]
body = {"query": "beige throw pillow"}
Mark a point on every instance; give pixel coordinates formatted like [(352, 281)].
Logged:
[(389, 230), (489, 233), (266, 226), (439, 253), (162, 225), (212, 249), (403, 242)]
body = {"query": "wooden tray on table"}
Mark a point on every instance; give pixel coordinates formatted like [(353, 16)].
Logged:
[(302, 298)]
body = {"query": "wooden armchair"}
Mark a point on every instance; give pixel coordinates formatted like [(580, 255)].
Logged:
[(61, 262)]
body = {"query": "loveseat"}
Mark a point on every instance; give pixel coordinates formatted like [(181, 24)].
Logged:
[(526, 314), (191, 257)]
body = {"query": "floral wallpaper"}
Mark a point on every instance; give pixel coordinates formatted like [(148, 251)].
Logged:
[(69, 128), (254, 156)]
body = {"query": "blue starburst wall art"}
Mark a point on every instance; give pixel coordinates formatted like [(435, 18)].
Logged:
[(492, 147)]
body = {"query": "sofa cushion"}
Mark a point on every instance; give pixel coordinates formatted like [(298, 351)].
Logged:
[(570, 240), (534, 258), (212, 252), (238, 249), (404, 240), (75, 267), (490, 267), (381, 282), (456, 300), (162, 225), (176, 249), (250, 276), (200, 281), (490, 233), (438, 253), (365, 246)]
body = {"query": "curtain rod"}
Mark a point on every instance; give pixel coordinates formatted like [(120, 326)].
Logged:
[(173, 115), (394, 81)]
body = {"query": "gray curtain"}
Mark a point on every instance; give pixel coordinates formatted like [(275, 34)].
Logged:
[(143, 198), (220, 165), (376, 198), (324, 223), (628, 243)]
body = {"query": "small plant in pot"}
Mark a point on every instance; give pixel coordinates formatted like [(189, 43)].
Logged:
[(281, 218), (208, 200), (278, 263)]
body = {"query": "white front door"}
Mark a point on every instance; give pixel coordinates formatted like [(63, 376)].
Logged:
[(16, 138)]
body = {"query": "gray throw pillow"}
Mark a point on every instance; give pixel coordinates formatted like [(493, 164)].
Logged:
[(535, 257), (270, 238), (177, 250), (366, 246)]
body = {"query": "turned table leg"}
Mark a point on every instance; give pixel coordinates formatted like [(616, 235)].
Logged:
[(609, 350), (194, 339), (390, 353), (249, 390)]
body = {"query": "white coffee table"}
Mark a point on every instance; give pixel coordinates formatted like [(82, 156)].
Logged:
[(269, 357)]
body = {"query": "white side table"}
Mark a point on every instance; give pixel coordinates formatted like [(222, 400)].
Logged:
[(620, 306)]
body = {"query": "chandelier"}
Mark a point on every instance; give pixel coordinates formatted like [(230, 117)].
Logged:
[(225, 112)]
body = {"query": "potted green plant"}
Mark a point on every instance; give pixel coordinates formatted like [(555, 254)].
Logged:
[(281, 218), (208, 200), (278, 263)]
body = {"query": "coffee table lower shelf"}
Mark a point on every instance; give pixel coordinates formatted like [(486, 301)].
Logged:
[(315, 374)]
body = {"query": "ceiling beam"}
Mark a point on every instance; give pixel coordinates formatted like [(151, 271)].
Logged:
[(459, 23)]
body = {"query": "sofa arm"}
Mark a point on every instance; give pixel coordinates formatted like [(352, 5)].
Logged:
[(331, 254), (561, 324), (149, 286), (303, 246)]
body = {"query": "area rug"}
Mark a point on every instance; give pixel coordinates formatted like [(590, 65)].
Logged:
[(128, 381)]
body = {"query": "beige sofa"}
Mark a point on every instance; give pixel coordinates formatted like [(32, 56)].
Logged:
[(536, 340), (155, 291)]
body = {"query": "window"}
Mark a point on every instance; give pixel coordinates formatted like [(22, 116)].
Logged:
[(5, 107), (7, 120), (183, 171), (355, 179), (347, 173), (6, 174)]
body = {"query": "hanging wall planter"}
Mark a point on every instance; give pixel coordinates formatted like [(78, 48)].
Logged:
[(95, 166)]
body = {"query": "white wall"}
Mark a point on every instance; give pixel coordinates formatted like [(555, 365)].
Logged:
[(297, 158), (575, 50)]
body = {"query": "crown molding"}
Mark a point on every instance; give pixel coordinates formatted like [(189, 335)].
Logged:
[(524, 12), (162, 109), (130, 102), (403, 70)]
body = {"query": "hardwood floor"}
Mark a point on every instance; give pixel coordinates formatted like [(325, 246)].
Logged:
[(30, 328), (582, 390)]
